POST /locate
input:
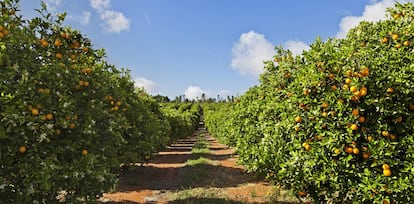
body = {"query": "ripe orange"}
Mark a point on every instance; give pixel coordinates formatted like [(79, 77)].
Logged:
[(85, 83), (306, 146), (353, 89), (319, 64), (394, 36), (411, 107), (349, 73), (84, 152), (6, 32), (49, 116), (110, 98), (44, 43), (88, 70), (387, 172), (385, 166), (365, 155), (398, 45), (345, 87), (35, 111), (361, 119), (355, 150), (325, 114), (406, 43), (337, 151), (333, 87), (22, 149), (75, 45), (58, 132), (385, 133), (390, 90), (354, 127), (349, 149), (363, 92), (397, 15), (348, 81), (365, 71), (302, 194), (393, 137), (85, 49), (288, 75), (72, 125), (384, 40), (57, 43), (297, 128), (298, 119), (81, 82), (58, 56), (65, 35), (325, 105), (355, 112), (369, 138)]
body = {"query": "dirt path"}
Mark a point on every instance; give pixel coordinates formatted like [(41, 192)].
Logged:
[(215, 178)]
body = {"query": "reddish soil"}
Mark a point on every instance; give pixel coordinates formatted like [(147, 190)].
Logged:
[(167, 174)]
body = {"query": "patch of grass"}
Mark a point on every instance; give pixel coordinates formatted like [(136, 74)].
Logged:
[(200, 195), (201, 143), (198, 172), (200, 151), (200, 161)]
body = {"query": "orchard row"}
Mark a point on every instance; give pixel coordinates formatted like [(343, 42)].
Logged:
[(335, 124), (68, 119)]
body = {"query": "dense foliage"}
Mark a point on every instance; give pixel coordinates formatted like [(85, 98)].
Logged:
[(68, 119), (335, 124)]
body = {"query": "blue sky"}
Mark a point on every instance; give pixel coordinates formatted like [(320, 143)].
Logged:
[(176, 47)]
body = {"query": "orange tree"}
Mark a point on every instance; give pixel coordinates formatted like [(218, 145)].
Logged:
[(182, 117), (68, 119), (149, 129), (336, 123), (57, 134)]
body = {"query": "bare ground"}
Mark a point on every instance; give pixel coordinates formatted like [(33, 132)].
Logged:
[(168, 179)]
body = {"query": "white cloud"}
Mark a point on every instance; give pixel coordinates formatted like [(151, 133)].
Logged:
[(85, 18), (250, 52), (193, 92), (374, 12), (148, 85), (296, 47), (100, 5), (55, 2), (114, 21)]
